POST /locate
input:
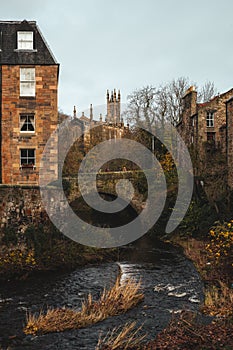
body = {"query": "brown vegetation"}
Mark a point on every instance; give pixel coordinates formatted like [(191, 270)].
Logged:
[(218, 291), (126, 337), (185, 333), (117, 300)]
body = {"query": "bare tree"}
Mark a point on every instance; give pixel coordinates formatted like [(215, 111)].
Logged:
[(150, 105), (207, 92), (141, 106), (162, 104), (175, 93)]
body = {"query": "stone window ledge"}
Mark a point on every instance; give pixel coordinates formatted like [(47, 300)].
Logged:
[(25, 50), (27, 167)]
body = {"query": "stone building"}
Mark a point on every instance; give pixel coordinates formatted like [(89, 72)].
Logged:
[(28, 100), (207, 129)]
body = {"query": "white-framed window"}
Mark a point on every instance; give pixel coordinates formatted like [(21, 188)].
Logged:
[(27, 82), (27, 157), (27, 123), (25, 40), (210, 119)]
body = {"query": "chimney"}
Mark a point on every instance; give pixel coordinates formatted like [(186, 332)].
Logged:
[(91, 113), (190, 101)]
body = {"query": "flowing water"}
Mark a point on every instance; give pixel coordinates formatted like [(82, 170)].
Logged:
[(169, 281)]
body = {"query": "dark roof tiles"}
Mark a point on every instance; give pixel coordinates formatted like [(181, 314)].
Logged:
[(41, 53)]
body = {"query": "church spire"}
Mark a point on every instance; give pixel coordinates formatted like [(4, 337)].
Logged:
[(74, 113), (119, 95)]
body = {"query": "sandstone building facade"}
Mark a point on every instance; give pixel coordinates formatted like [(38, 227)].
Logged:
[(207, 129), (28, 100)]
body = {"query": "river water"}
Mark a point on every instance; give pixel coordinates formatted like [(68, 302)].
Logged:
[(170, 284)]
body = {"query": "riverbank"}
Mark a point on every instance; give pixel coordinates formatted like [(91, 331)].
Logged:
[(43, 249), (212, 256), (189, 330)]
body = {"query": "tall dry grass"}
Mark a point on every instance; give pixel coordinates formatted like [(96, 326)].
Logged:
[(117, 300), (218, 300), (126, 337)]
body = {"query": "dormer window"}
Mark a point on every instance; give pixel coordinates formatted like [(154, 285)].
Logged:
[(25, 40), (210, 119)]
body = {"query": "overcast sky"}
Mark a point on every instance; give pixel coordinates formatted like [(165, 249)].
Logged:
[(127, 44)]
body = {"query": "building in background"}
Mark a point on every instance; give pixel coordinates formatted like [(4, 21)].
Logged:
[(207, 129), (28, 101), (112, 127)]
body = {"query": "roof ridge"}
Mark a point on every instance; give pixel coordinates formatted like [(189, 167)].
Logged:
[(17, 22)]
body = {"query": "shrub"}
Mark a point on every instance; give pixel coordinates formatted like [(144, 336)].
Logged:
[(220, 247)]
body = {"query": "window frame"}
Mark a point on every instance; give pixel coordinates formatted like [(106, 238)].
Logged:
[(210, 119), (28, 163), (21, 124), (30, 91), (20, 43), (212, 138)]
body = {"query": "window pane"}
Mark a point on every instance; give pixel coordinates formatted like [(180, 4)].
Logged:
[(31, 153), (30, 127), (27, 89), (27, 74), (23, 153)]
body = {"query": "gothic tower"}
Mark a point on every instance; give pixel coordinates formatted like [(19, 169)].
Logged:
[(113, 107)]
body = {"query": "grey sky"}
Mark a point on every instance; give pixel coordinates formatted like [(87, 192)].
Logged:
[(128, 44)]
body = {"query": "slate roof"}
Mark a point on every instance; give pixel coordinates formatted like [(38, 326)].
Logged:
[(41, 53)]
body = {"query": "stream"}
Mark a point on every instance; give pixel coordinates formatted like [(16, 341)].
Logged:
[(170, 284)]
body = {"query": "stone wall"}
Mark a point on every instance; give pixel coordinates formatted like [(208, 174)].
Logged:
[(229, 106), (20, 207)]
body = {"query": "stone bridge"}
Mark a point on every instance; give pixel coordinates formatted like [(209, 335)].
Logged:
[(106, 184), (21, 205)]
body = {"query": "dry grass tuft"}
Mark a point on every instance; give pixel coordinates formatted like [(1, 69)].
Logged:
[(218, 300), (117, 300), (126, 337)]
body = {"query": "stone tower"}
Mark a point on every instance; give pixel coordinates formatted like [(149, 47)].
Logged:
[(113, 107)]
